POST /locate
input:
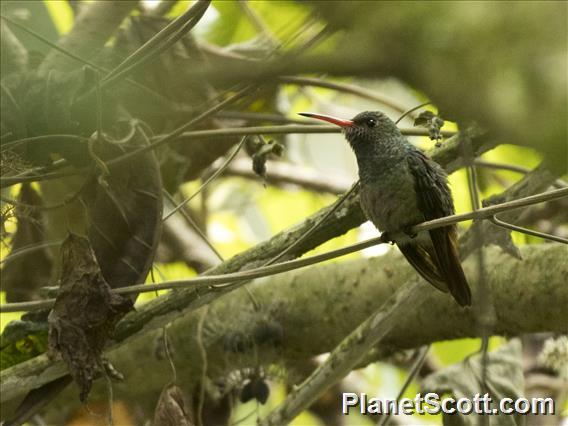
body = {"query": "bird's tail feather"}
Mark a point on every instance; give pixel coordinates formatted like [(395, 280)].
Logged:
[(448, 261), (421, 260), (440, 264)]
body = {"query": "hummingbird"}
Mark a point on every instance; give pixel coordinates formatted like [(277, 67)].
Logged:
[(401, 187)]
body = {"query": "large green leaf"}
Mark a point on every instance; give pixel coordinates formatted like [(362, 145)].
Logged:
[(504, 380)]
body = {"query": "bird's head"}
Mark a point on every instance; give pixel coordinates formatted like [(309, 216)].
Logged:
[(366, 128)]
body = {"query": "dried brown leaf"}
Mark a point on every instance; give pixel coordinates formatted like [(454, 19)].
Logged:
[(432, 122), (172, 408), (84, 314)]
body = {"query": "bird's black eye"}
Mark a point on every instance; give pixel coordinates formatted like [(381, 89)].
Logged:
[(371, 122)]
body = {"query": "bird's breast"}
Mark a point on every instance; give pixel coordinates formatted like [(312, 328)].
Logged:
[(390, 202)]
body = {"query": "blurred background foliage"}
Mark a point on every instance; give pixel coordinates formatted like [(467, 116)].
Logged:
[(239, 212)]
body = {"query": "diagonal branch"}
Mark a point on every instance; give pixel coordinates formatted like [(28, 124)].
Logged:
[(234, 280), (348, 353), (158, 43)]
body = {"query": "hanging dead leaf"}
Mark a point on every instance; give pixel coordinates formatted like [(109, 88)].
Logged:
[(84, 314), (262, 151), (432, 122), (172, 408)]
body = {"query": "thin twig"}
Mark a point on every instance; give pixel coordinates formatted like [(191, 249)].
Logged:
[(182, 24), (559, 183), (484, 312), (43, 139), (316, 225), (98, 138), (472, 186), (512, 227), (343, 87), (263, 117), (290, 35), (285, 173), (411, 110), (246, 416), (209, 179), (165, 342), (418, 363), (180, 130), (29, 249), (206, 240), (196, 228), (258, 23), (43, 39), (489, 211), (66, 201), (110, 398), (169, 354), (202, 134), (209, 280), (203, 354), (108, 82), (28, 177), (301, 128), (303, 238)]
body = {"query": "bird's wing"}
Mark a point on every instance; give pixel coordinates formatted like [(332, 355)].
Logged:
[(421, 260), (435, 201)]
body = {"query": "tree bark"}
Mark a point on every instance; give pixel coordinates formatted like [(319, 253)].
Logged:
[(316, 308), (94, 26)]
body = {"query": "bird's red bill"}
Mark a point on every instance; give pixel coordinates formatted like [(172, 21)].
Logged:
[(337, 121)]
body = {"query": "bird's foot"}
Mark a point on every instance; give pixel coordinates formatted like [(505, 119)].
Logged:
[(385, 236), (408, 231)]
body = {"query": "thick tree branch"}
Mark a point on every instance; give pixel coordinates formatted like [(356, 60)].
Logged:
[(337, 298), (14, 54), (95, 25)]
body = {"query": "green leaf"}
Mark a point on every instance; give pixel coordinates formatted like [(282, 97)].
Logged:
[(22, 340), (504, 379)]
